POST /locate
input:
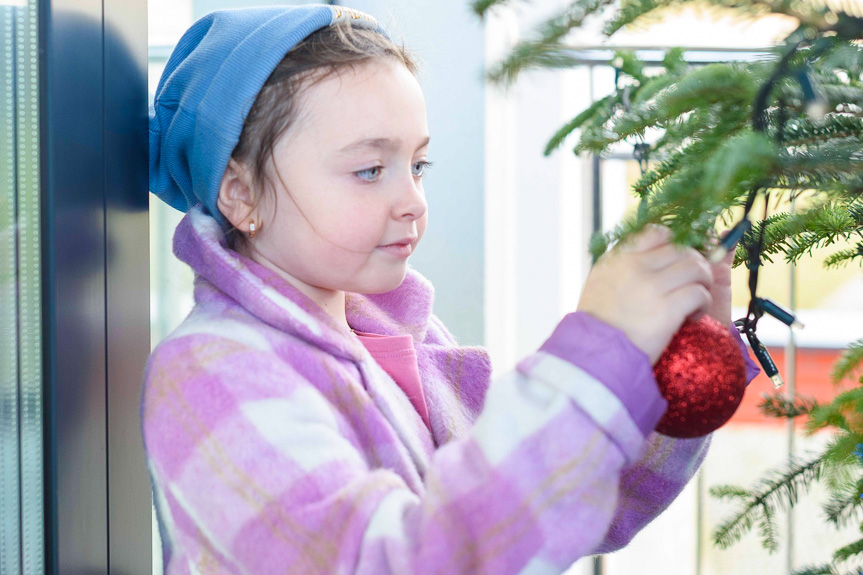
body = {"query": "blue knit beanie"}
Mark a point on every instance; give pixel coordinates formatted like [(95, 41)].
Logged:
[(208, 87)]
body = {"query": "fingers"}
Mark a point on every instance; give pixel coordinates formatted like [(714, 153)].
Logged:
[(662, 257), (652, 236), (722, 268), (668, 254), (688, 269), (693, 301), (686, 282), (729, 255), (727, 259)]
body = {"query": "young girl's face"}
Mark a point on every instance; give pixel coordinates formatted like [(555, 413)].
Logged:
[(349, 206)]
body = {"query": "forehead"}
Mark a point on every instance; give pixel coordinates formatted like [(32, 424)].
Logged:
[(380, 99)]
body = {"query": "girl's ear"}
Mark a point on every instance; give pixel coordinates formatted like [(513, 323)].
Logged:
[(235, 199)]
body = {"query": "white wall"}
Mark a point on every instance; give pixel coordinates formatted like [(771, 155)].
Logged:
[(538, 209)]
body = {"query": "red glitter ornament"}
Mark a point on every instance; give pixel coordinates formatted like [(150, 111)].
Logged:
[(702, 375)]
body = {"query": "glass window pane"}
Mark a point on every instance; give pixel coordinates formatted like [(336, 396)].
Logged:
[(21, 501), (9, 439)]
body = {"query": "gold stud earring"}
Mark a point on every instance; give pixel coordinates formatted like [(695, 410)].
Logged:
[(252, 229)]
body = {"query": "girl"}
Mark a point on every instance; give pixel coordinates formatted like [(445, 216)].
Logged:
[(312, 415)]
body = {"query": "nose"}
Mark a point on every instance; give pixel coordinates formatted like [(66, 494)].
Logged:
[(411, 204)]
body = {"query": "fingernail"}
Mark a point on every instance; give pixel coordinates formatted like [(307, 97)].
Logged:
[(717, 254)]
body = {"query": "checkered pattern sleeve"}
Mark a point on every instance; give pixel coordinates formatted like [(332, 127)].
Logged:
[(257, 470)]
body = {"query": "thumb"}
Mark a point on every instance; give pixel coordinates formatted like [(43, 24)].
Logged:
[(720, 258)]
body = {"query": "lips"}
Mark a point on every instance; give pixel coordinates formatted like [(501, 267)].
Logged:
[(402, 248), (401, 242)]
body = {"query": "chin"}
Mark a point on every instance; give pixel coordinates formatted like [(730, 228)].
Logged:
[(384, 286)]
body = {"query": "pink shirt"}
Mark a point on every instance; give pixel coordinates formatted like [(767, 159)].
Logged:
[(397, 356)]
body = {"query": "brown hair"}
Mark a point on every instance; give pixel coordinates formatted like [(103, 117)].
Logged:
[(323, 53)]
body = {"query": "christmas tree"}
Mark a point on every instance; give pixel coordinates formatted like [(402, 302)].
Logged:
[(785, 133)]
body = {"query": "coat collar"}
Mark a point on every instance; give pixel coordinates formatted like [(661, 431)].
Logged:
[(201, 243)]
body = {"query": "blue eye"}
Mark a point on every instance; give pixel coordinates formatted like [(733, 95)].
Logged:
[(419, 168), (369, 174)]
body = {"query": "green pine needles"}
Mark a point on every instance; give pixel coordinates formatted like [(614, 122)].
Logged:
[(787, 127), (758, 505)]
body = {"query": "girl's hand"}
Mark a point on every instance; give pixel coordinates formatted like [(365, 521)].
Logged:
[(646, 287)]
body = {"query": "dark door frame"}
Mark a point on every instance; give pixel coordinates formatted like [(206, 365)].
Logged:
[(95, 284)]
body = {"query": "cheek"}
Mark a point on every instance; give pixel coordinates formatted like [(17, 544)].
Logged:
[(326, 221), (353, 230), (354, 226)]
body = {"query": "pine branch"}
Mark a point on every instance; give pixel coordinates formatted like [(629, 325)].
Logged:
[(637, 10), (855, 210), (836, 94), (704, 140), (845, 505), (674, 62), (767, 528), (828, 182), (846, 57), (685, 205), (699, 189), (800, 234), (651, 180), (825, 226), (727, 86), (632, 10), (833, 94), (687, 129), (577, 122), (757, 505), (844, 257), (650, 86), (829, 415), (729, 492), (779, 406), (480, 7), (839, 475), (778, 230), (545, 50), (849, 362), (826, 569), (848, 551), (845, 412), (628, 63), (815, 570), (830, 162), (803, 131), (849, 186), (596, 137), (842, 448), (704, 86), (740, 163)]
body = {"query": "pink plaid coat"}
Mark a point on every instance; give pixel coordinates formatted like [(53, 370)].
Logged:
[(276, 444)]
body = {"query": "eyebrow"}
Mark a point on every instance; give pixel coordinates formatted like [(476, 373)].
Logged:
[(378, 144)]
